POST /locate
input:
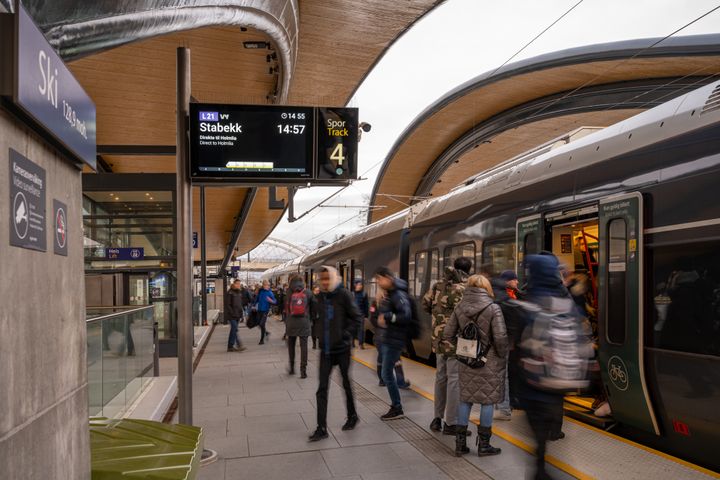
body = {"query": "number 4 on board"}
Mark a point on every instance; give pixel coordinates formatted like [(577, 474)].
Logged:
[(337, 154)]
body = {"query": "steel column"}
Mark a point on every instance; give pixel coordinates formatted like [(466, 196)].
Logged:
[(203, 258), (183, 241)]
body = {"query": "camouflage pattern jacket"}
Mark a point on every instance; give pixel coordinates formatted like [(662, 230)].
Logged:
[(440, 301)]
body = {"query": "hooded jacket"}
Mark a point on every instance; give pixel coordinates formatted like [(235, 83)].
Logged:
[(338, 317), (485, 385), (264, 300), (397, 312), (440, 301)]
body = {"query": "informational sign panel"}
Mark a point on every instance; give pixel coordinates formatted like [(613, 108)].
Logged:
[(61, 228), (337, 143), (251, 142), (47, 91), (27, 203), (125, 253)]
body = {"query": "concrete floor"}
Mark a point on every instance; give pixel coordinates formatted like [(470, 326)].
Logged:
[(258, 418)]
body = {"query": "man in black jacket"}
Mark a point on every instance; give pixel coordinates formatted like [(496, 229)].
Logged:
[(338, 317), (395, 315), (234, 313)]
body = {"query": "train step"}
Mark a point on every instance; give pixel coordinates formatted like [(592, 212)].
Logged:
[(579, 411)]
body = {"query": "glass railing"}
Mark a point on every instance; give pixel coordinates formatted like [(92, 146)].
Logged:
[(120, 356)]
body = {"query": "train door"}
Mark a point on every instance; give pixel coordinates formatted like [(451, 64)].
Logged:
[(620, 310), (530, 232)]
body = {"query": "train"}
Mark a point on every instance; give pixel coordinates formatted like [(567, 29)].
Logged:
[(638, 205)]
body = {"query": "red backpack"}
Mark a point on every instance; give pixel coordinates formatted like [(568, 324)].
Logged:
[(298, 303)]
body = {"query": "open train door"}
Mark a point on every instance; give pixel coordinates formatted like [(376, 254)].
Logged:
[(620, 310), (530, 240)]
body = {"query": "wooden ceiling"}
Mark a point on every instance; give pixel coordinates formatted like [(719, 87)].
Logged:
[(133, 87), (429, 137)]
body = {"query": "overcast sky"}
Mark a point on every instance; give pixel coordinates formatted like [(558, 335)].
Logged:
[(456, 42)]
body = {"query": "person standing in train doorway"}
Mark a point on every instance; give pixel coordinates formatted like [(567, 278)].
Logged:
[(339, 318), (394, 317), (440, 302)]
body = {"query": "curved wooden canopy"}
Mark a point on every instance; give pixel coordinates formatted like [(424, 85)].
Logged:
[(133, 86), (497, 116)]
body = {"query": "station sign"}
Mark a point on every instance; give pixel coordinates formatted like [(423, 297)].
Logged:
[(136, 253), (44, 88), (272, 144)]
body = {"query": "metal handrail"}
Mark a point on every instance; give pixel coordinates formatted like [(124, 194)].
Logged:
[(128, 309)]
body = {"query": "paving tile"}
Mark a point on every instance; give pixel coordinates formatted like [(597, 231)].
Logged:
[(214, 471), (272, 423), (271, 443), (259, 397), (218, 413), (365, 434), (229, 447), (426, 473), (292, 466), (363, 460), (278, 408)]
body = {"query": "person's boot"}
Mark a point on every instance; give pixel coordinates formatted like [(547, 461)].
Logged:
[(483, 442), (452, 430), (319, 434), (436, 424), (303, 372), (378, 369), (291, 369), (461, 447), (351, 422)]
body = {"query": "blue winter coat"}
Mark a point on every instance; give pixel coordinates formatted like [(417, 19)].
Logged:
[(264, 300)]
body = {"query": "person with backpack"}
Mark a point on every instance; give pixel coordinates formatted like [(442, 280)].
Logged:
[(300, 307), (338, 319), (373, 313), (440, 302), (395, 316), (551, 321), (477, 329), (263, 301), (361, 300)]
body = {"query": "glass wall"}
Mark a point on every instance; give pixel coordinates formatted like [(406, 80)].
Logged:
[(121, 348)]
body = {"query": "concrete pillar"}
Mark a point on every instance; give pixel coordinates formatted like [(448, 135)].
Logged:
[(43, 370)]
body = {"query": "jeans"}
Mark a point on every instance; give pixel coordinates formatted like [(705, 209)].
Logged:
[(486, 414), (327, 362), (390, 355), (399, 374), (234, 338), (447, 389), (303, 352), (262, 321), (361, 332), (504, 406)]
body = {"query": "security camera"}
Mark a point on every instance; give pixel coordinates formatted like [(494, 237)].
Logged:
[(366, 127)]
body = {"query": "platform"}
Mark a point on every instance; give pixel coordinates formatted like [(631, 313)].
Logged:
[(258, 418)]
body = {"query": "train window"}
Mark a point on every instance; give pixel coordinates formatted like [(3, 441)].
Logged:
[(686, 297), (530, 244), (358, 273), (434, 267), (461, 250), (421, 264), (617, 281), (497, 256)]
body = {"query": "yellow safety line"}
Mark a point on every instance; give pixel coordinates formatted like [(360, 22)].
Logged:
[(579, 401), (502, 434)]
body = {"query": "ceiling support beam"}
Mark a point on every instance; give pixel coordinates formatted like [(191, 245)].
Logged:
[(239, 224)]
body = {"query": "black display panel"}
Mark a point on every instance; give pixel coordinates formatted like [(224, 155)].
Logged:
[(246, 143), (337, 144)]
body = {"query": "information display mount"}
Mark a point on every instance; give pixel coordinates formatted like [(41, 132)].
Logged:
[(272, 144)]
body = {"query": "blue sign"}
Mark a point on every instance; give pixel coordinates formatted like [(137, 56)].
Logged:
[(195, 240), (47, 90), (235, 268), (125, 253), (209, 117)]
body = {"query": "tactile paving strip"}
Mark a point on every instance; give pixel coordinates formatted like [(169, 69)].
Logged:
[(433, 449)]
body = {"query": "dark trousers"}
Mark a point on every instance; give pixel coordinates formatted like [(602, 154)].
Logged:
[(303, 351), (234, 338), (543, 418), (262, 321), (327, 362)]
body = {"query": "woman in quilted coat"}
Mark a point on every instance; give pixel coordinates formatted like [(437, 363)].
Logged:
[(484, 385)]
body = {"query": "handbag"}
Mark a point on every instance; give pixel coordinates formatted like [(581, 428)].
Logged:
[(470, 349), (253, 319)]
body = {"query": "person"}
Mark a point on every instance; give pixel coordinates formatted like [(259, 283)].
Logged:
[(544, 409), (361, 300), (234, 313), (402, 382), (506, 289), (484, 385), (264, 300), (316, 327), (300, 307), (338, 317), (440, 301), (394, 316)]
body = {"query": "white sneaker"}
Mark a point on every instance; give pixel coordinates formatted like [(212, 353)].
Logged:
[(603, 410), (499, 415)]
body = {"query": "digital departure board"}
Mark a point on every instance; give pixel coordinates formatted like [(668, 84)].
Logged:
[(337, 144), (251, 142)]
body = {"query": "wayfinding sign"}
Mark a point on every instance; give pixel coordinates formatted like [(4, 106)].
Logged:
[(272, 144), (27, 203), (45, 89)]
